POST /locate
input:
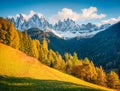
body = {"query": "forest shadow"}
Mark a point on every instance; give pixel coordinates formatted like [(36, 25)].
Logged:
[(29, 84)]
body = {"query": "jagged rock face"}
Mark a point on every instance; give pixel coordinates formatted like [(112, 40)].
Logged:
[(62, 28), (66, 25), (33, 22)]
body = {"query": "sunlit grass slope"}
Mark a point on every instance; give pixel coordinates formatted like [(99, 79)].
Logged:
[(14, 63)]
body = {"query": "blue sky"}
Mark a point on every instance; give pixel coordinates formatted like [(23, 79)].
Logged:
[(49, 8)]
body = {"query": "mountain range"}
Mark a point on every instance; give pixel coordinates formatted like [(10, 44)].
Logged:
[(102, 48), (65, 29)]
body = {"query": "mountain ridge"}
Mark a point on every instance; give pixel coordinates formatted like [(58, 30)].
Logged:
[(62, 28)]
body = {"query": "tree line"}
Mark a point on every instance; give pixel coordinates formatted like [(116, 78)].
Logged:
[(81, 68)]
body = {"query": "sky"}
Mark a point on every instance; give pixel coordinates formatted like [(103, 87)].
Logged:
[(81, 11)]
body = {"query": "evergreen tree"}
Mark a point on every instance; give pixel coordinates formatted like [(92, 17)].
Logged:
[(85, 70), (27, 42), (113, 80), (4, 37), (41, 55), (8, 34), (38, 45), (101, 78), (59, 62), (50, 58), (21, 42), (45, 44), (69, 66), (69, 63), (75, 59), (34, 49), (94, 73), (66, 57), (44, 53), (78, 71), (13, 36)]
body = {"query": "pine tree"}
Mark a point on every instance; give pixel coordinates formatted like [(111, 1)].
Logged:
[(85, 70), (77, 70), (27, 42), (75, 59), (41, 55), (8, 34), (59, 62), (113, 80), (69, 63), (4, 36), (45, 44), (38, 45), (68, 66), (50, 58), (44, 52), (101, 78), (21, 42), (16, 41), (94, 73), (13, 36), (66, 57), (34, 49)]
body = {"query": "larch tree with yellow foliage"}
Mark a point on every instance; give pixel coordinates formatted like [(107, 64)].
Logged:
[(113, 80), (101, 78)]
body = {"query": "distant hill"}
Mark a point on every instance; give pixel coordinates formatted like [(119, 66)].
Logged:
[(54, 41), (36, 33), (14, 63)]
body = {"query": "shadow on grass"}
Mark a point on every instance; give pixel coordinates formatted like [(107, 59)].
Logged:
[(29, 84)]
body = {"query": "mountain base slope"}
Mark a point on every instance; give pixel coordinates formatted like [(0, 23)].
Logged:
[(14, 63)]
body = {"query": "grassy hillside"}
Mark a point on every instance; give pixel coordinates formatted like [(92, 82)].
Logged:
[(17, 66)]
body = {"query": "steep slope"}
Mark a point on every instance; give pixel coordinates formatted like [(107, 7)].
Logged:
[(36, 33), (16, 64), (103, 48), (54, 42)]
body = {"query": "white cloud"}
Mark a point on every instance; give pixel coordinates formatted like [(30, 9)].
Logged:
[(110, 21), (91, 13), (32, 13), (87, 14)]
